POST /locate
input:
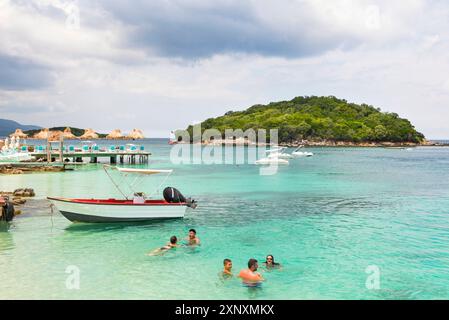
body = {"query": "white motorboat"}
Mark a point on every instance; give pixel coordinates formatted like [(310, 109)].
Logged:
[(279, 153), (299, 154), (137, 208)]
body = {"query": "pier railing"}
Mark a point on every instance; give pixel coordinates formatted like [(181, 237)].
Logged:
[(116, 153)]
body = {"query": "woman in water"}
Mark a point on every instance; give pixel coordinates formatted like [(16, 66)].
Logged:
[(270, 263)]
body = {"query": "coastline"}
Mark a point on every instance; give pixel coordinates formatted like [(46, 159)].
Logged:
[(327, 144)]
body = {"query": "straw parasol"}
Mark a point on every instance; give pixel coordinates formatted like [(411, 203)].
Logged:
[(19, 134), (115, 134), (136, 134), (55, 135), (43, 134), (2, 143), (89, 134), (67, 134)]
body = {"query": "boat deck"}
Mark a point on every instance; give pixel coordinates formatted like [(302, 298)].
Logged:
[(113, 201)]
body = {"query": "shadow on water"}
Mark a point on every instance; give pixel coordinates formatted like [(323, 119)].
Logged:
[(103, 227), (6, 238), (254, 292), (4, 226)]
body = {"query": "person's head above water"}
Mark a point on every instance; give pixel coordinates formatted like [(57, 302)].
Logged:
[(270, 260), (192, 233), (252, 264), (173, 240), (227, 263)]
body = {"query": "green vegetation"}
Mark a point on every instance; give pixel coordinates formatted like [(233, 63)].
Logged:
[(319, 118)]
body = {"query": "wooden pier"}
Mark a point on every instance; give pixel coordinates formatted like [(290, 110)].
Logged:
[(62, 154), (114, 157)]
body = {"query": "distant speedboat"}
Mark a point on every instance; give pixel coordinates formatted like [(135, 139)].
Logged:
[(299, 154), (137, 208), (279, 153)]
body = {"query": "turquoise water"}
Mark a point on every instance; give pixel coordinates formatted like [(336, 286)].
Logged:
[(325, 218)]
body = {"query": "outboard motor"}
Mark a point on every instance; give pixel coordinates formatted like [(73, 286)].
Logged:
[(173, 195), (6, 210)]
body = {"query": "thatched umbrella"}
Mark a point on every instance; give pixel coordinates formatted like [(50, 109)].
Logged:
[(67, 134), (19, 134), (89, 134), (55, 135), (2, 143), (115, 134), (136, 134), (43, 134)]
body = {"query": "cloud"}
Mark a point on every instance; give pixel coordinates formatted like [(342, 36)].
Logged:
[(201, 29), (159, 65), (22, 74)]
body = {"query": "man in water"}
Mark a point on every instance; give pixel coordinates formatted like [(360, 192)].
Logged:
[(172, 244), (227, 270), (250, 276), (192, 239)]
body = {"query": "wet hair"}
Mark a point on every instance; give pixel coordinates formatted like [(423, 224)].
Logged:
[(192, 230), (173, 239), (251, 262), (226, 261), (272, 261)]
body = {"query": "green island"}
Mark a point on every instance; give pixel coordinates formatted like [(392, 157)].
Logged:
[(320, 120)]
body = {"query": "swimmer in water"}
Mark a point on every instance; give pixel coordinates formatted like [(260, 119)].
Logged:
[(192, 239), (227, 269), (250, 276), (270, 264), (172, 244)]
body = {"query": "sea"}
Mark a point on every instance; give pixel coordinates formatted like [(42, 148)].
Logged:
[(347, 223)]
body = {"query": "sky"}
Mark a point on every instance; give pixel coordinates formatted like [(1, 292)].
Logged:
[(162, 65)]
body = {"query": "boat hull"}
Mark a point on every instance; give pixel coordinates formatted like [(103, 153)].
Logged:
[(302, 154), (272, 161), (78, 211)]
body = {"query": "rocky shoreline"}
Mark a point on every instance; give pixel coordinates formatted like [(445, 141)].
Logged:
[(359, 144), (16, 198), (328, 143), (22, 168)]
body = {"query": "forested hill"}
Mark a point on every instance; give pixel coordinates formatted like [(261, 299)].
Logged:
[(320, 118)]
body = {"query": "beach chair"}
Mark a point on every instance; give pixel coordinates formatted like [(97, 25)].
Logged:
[(142, 148), (122, 148), (95, 148), (72, 149), (111, 148), (24, 149), (133, 148), (85, 148)]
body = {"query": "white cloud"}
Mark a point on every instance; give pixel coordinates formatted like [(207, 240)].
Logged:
[(384, 53)]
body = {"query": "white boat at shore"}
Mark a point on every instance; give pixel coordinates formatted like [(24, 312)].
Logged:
[(137, 208)]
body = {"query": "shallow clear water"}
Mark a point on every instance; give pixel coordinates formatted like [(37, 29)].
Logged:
[(325, 218)]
